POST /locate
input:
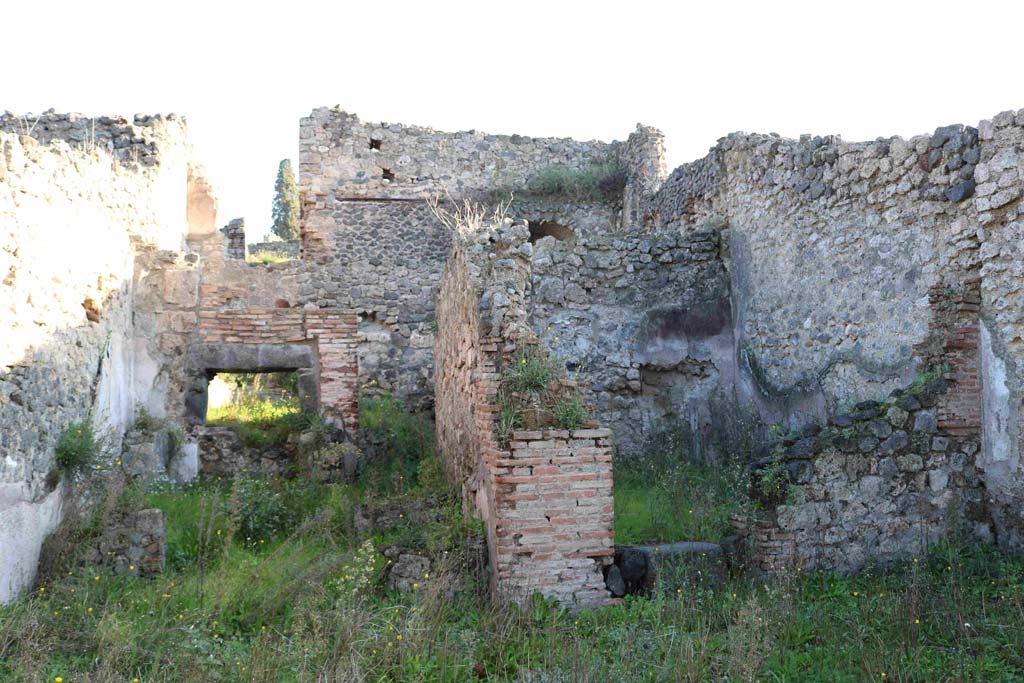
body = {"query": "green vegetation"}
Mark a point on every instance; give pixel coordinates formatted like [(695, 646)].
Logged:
[(266, 258), (271, 581), (533, 395), (716, 222), (926, 376), (570, 411), (599, 181), (409, 437), (77, 448), (260, 422), (683, 502), (530, 370), (285, 209)]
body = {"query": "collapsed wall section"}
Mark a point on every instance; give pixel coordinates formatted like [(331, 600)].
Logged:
[(81, 200), (546, 495), (366, 223)]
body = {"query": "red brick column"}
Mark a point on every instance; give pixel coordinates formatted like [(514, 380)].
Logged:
[(553, 515), (954, 342), (337, 338)]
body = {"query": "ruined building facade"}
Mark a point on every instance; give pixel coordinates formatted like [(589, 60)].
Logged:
[(863, 296)]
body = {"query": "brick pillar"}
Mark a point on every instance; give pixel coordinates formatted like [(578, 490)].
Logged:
[(553, 516), (234, 232), (337, 335), (954, 343)]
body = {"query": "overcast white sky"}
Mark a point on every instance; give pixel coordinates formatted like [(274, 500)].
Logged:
[(243, 73)]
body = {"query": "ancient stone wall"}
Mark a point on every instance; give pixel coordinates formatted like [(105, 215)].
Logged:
[(1000, 227), (645, 319), (248, 320), (882, 482), (843, 257), (341, 155), (80, 201), (545, 495), (383, 260), (363, 187)]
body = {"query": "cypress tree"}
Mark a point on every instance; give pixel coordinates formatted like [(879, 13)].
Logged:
[(285, 211)]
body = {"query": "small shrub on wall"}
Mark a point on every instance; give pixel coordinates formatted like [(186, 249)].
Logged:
[(77, 448), (534, 394)]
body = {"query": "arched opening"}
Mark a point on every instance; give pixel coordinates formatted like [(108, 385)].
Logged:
[(540, 229)]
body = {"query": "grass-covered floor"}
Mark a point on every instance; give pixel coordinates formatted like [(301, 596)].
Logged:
[(273, 583)]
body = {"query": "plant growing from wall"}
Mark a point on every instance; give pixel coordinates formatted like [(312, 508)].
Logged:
[(571, 412), (598, 181), (77, 448), (772, 483), (529, 371), (534, 394)]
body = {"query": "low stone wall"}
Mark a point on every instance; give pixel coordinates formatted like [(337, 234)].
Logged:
[(880, 483), (225, 455), (135, 543), (285, 249), (553, 516)]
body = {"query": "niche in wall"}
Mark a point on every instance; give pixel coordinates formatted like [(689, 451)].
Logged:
[(541, 229)]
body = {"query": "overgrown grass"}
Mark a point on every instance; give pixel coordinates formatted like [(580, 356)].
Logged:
[(408, 437), (599, 181), (307, 603), (684, 502), (266, 258), (311, 607), (260, 422), (663, 495)]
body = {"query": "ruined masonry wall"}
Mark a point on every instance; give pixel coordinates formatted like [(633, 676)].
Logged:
[(384, 261), (837, 252), (339, 154), (381, 249), (244, 303), (645, 319), (74, 219), (546, 498)]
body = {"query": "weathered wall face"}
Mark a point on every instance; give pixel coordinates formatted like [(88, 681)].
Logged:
[(546, 495), (644, 319), (381, 250), (382, 259), (339, 154), (1000, 178), (248, 320), (836, 253), (75, 217), (833, 248)]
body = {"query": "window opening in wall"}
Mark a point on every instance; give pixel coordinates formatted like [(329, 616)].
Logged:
[(262, 406), (374, 143), (540, 229), (386, 174)]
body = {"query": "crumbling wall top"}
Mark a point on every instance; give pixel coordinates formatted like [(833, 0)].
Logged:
[(340, 153), (141, 139)]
